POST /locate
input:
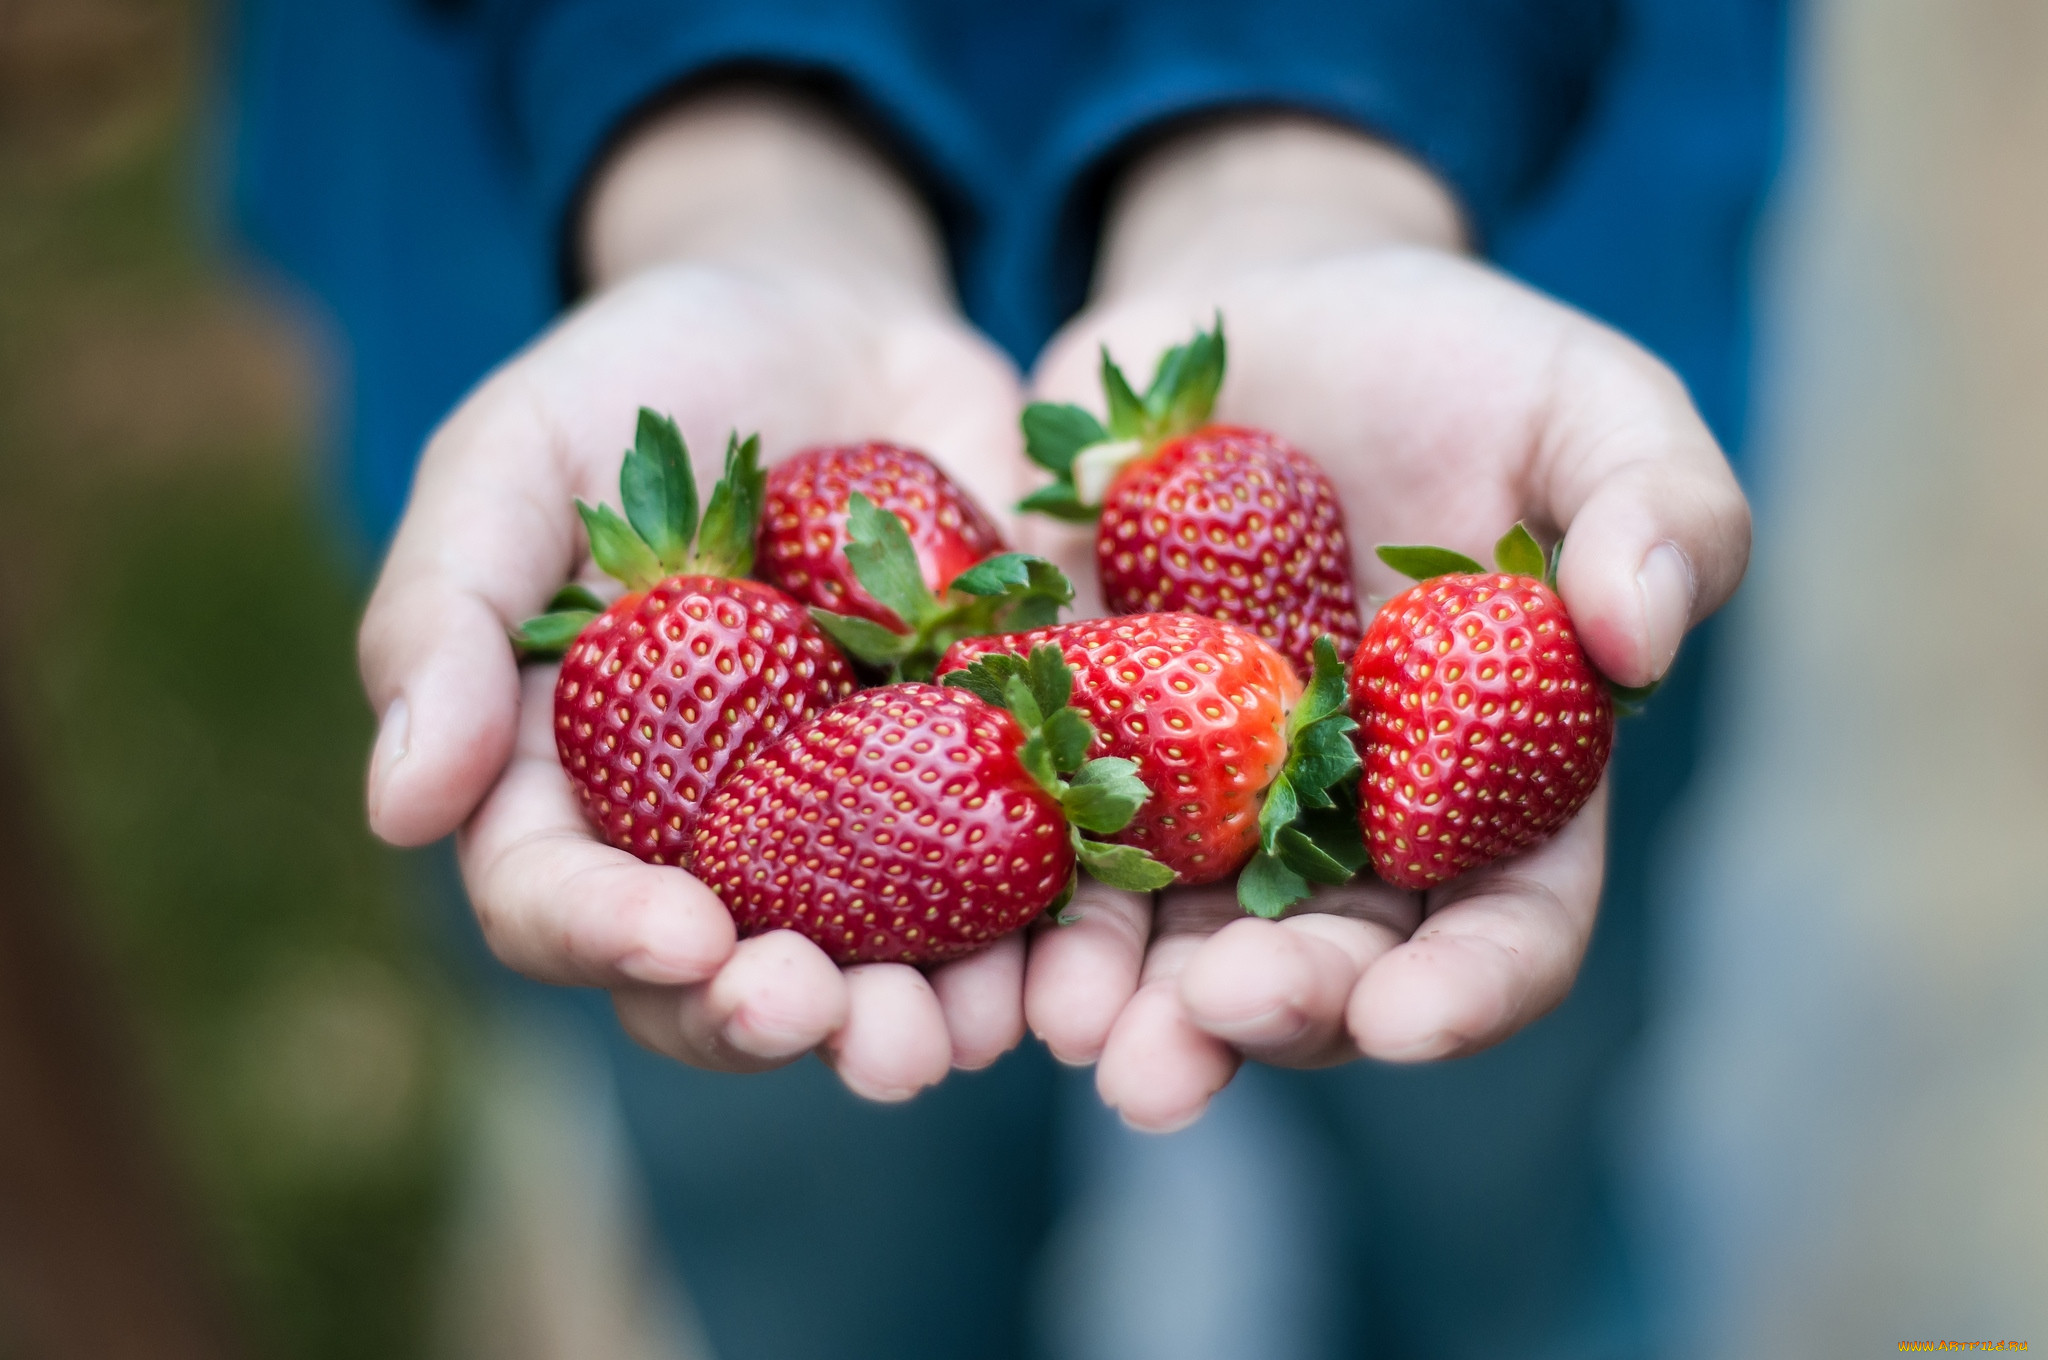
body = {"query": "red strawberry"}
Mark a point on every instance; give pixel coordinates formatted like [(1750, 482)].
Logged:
[(916, 823), (1219, 724), (1220, 520), (804, 526), (690, 671), (1482, 726)]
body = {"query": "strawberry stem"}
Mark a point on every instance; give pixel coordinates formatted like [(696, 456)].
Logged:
[(1306, 831)]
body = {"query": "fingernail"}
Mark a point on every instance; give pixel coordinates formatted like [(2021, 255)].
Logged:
[(1431, 1046), (1171, 1126), (1665, 583), (394, 735), (1260, 1029), (663, 966), (765, 1039)]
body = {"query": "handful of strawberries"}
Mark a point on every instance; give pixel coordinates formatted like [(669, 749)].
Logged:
[(1232, 719)]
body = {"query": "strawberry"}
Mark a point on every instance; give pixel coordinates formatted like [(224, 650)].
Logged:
[(916, 823), (693, 669), (1006, 592), (1222, 520), (1482, 726), (1250, 769), (804, 525)]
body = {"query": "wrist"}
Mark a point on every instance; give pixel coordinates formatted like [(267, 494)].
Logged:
[(766, 181), (1265, 190)]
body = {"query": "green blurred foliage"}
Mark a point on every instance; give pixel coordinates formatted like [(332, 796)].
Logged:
[(179, 653)]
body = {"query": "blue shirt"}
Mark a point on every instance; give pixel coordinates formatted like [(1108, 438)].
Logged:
[(413, 164)]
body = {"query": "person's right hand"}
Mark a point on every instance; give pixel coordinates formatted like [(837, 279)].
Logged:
[(756, 271)]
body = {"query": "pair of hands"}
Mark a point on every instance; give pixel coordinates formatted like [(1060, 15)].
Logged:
[(1444, 400)]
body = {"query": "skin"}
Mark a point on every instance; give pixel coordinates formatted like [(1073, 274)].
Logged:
[(753, 266)]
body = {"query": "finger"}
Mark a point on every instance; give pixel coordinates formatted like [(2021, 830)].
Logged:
[(1657, 529), (982, 1000), (777, 998), (1158, 1069), (558, 905), (1277, 990), (1080, 972), (1498, 948), (894, 1041), (486, 538)]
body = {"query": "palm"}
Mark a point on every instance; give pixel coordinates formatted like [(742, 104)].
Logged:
[(1446, 403)]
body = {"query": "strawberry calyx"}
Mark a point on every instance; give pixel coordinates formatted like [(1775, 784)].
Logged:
[(1006, 593), (661, 534), (1517, 554), (1099, 796), (1308, 824), (1085, 454)]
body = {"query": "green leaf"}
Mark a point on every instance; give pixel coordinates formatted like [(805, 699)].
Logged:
[(1060, 502), (1126, 413), (1068, 734), (988, 678), (576, 596), (1037, 762), (878, 547), (1052, 680), (660, 491), (863, 639), (994, 575), (617, 550), (725, 544), (1105, 795), (1024, 708), (551, 634), (1278, 812), (1122, 866), (1336, 833), (1518, 553), (1631, 700), (1326, 693), (1267, 887), (1421, 562), (1031, 611), (1054, 433), (1320, 758), (1184, 386), (1308, 859)]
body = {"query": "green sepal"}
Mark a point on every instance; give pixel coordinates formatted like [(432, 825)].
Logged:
[(1420, 562), (659, 491), (1126, 409), (1122, 866), (576, 595), (878, 547), (1550, 571), (1267, 887), (1054, 432), (619, 551), (1184, 386), (1335, 830), (1630, 700), (1518, 553), (725, 541), (1104, 795), (864, 639), (1007, 593), (1061, 502), (550, 634), (1057, 908), (1299, 839)]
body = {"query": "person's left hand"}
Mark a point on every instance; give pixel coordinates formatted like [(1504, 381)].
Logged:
[(1446, 402)]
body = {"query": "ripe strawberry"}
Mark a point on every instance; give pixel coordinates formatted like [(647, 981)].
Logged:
[(1482, 726), (690, 671), (1218, 723), (1006, 592), (804, 528), (917, 824), (1221, 520)]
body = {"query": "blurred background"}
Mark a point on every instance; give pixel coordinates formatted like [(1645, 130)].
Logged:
[(244, 1111)]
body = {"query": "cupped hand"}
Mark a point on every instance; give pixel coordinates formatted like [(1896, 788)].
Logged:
[(813, 346), (1446, 401)]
